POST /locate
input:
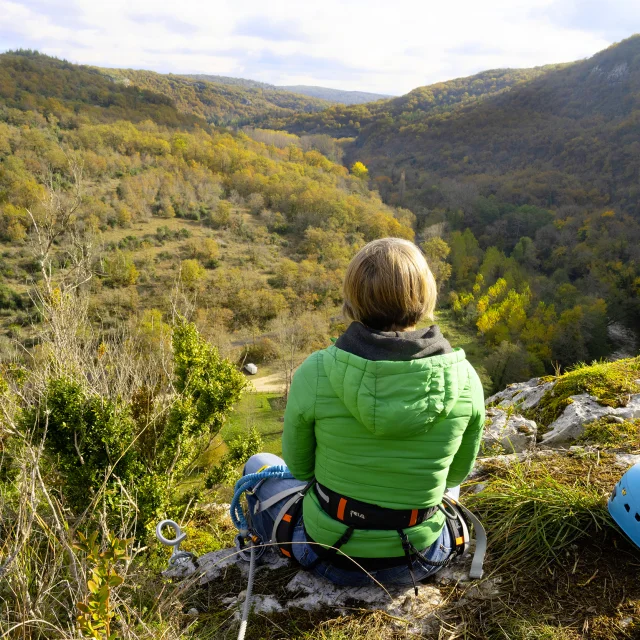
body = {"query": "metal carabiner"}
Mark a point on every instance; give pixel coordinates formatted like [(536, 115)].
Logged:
[(177, 555)]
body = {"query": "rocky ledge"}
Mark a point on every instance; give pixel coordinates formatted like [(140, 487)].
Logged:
[(554, 412)]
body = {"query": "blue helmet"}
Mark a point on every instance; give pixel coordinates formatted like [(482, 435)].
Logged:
[(624, 503)]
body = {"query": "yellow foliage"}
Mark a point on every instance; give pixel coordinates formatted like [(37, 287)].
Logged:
[(359, 170)]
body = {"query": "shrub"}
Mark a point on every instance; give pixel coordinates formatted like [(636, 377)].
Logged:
[(264, 350), (191, 273), (208, 387), (240, 450), (120, 270), (9, 299), (87, 436), (137, 447), (221, 216)]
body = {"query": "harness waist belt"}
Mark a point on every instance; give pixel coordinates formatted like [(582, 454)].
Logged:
[(350, 563), (363, 515)]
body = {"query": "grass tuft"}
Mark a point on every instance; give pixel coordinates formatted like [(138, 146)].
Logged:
[(534, 511)]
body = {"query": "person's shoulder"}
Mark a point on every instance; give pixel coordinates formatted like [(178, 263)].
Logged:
[(474, 378), (309, 366)]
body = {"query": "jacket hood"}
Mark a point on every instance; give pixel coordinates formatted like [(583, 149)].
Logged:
[(398, 398)]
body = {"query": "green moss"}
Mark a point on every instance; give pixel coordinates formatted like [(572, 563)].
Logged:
[(612, 434), (611, 383)]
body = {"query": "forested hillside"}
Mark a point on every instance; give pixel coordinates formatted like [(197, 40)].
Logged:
[(348, 121), (525, 188), (223, 104), (565, 138), (71, 94), (249, 229)]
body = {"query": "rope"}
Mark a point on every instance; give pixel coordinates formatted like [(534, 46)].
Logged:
[(247, 600), (248, 482)]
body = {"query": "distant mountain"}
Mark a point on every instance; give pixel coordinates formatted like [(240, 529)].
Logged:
[(350, 120), (335, 95), (322, 93), (233, 82)]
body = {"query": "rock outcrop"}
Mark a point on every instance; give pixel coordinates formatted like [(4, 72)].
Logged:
[(510, 411), (511, 432), (583, 410), (304, 590), (524, 395)]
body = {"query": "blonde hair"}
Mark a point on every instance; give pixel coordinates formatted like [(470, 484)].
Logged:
[(388, 285)]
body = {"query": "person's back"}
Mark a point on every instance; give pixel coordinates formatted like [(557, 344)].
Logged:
[(394, 433), (385, 420)]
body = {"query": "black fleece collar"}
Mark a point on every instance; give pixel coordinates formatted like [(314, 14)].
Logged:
[(393, 345)]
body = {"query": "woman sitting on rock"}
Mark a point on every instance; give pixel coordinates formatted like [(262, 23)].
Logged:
[(386, 421)]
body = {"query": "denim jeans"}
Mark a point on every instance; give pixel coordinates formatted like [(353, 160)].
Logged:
[(262, 524)]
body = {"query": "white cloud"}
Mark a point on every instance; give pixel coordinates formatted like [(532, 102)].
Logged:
[(372, 45)]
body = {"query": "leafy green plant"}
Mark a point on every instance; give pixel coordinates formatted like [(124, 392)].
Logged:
[(208, 386), (87, 435), (241, 449), (142, 445), (97, 615)]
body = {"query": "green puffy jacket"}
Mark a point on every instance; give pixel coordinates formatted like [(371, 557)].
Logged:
[(395, 434)]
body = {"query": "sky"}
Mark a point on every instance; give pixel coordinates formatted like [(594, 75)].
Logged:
[(382, 46)]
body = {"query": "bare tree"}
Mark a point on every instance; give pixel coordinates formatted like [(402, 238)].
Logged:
[(53, 221), (294, 335)]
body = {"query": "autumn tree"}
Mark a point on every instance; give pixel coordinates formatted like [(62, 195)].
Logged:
[(359, 170)]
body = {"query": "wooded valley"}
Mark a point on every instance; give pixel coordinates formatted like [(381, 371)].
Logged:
[(158, 232)]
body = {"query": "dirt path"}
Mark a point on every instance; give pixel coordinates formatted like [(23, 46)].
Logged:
[(268, 384)]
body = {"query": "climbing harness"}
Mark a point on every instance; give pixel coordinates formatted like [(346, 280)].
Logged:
[(249, 484), (362, 515), (355, 514), (177, 555)]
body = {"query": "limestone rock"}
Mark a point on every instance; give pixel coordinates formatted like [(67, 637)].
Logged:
[(513, 433), (626, 460), (313, 592), (583, 410), (310, 592), (524, 395)]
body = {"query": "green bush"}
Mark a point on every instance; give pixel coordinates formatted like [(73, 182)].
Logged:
[(240, 450), (90, 438), (9, 299), (135, 447), (264, 350)]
